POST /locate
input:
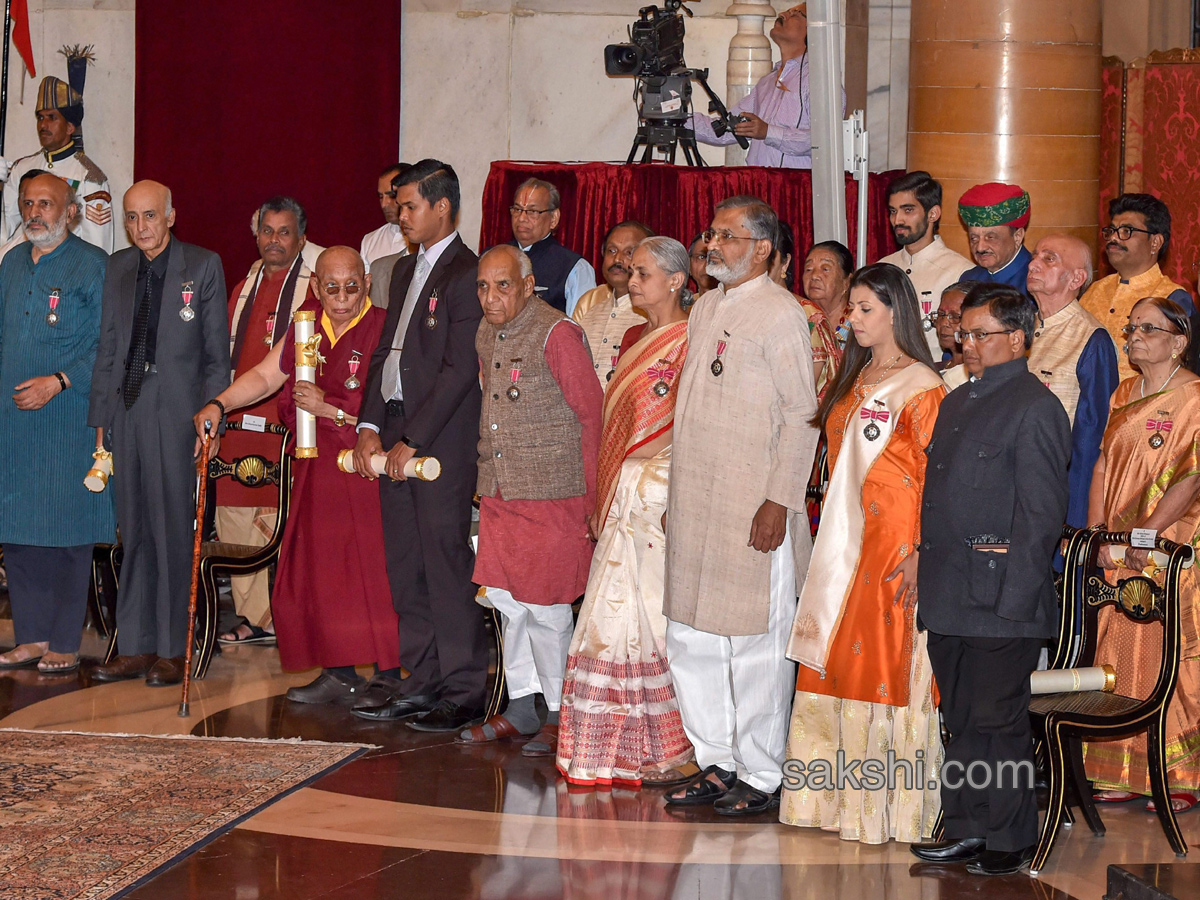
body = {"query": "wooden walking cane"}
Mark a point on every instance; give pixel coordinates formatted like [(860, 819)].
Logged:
[(201, 498)]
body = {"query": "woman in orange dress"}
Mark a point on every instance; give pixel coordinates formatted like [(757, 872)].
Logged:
[(865, 686), (1146, 478)]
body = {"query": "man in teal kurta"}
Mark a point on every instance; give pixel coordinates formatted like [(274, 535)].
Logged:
[(50, 298)]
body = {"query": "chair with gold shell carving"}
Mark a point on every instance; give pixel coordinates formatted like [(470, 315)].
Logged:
[(252, 471), (1069, 719)]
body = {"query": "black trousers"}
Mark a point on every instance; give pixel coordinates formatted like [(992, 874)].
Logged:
[(426, 533), (48, 590), (984, 685)]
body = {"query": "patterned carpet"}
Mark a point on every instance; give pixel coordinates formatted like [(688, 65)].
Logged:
[(90, 816)]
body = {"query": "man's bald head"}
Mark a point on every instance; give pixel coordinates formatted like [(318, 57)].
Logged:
[(341, 283), (505, 283), (1060, 271), (149, 216), (48, 204)]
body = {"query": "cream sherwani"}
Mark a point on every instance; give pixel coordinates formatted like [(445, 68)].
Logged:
[(931, 270), (742, 436), (605, 319)]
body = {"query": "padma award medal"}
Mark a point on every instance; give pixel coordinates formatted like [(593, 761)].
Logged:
[(717, 365), (269, 337), (612, 368), (662, 373), (52, 316), (352, 383), (187, 313), (513, 391), (431, 319), (872, 432), (1159, 427)]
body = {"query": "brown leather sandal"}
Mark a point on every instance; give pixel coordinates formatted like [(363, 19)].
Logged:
[(500, 726), (544, 743)]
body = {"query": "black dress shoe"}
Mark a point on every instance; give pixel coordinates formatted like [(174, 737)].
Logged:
[(397, 708), (379, 691), (165, 672), (1001, 862), (445, 716), (955, 851), (327, 687)]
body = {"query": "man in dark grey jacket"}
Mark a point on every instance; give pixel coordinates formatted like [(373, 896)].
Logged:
[(992, 513), (164, 350)]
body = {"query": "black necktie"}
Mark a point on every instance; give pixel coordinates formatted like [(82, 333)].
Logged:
[(136, 370)]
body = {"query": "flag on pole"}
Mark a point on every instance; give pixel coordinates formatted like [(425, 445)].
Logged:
[(20, 34)]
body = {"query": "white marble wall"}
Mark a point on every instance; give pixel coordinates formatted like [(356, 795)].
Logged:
[(108, 95), (887, 82)]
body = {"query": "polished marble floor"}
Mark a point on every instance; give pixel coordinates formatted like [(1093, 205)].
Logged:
[(422, 817)]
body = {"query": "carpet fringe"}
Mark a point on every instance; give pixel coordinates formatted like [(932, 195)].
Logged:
[(196, 737)]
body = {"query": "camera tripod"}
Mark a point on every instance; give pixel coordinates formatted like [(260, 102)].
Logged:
[(667, 133)]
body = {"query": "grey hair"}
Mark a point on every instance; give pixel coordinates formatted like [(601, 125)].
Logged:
[(1088, 268), (672, 257), (758, 217), (281, 204), (524, 263), (555, 197), (961, 286), (170, 206)]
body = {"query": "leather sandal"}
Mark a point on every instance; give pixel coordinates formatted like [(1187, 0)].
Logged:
[(700, 791), (745, 799), (501, 727), (1188, 800), (673, 777), (1114, 796), (68, 663), (544, 743)]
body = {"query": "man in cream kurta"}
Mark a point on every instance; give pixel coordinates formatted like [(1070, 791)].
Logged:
[(743, 447)]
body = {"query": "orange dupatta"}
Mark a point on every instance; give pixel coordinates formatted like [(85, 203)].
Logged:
[(634, 412)]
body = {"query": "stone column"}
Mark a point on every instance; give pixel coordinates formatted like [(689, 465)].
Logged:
[(749, 60), (1003, 91)]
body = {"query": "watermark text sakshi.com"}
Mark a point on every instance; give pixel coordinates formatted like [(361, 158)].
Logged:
[(904, 774)]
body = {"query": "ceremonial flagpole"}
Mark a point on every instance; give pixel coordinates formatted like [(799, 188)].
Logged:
[(4, 75)]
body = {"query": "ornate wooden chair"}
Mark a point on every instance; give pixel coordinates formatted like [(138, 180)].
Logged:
[(1069, 719), (216, 557)]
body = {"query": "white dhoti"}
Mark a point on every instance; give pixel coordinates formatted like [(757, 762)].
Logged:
[(536, 641), (735, 692)]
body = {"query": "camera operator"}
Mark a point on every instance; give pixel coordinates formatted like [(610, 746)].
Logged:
[(776, 114)]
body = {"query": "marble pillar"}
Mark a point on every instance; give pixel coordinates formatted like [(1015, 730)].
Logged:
[(1003, 91), (749, 60)]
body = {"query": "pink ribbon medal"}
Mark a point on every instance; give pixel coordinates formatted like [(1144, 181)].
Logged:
[(664, 373), (1159, 427), (269, 337), (513, 391), (717, 365), (52, 316), (431, 319), (187, 313), (872, 432), (926, 309), (612, 368), (352, 383)]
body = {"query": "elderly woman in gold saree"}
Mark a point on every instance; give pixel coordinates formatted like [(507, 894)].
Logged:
[(620, 720), (1145, 478)]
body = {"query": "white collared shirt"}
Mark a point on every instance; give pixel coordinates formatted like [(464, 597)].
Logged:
[(383, 241)]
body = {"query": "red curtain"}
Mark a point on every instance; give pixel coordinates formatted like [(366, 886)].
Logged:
[(1112, 113), (238, 101), (673, 200)]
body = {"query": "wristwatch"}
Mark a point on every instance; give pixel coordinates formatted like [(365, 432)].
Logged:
[(339, 419)]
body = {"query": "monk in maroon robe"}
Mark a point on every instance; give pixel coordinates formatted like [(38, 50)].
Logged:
[(332, 602)]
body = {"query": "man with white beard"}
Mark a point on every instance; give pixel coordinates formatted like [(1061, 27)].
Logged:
[(738, 540), (50, 294)]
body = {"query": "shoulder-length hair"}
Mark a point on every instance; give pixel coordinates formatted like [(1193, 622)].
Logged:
[(893, 289)]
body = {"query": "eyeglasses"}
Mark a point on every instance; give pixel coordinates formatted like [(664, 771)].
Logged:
[(952, 318), (1145, 328), (1124, 232), (332, 290), (978, 336), (518, 211), (710, 236)]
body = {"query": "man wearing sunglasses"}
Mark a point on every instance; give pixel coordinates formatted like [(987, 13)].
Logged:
[(1136, 241)]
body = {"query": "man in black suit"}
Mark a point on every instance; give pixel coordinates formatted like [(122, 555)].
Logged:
[(422, 397), (992, 513), (164, 350)]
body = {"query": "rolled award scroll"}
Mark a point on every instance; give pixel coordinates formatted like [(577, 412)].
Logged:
[(97, 476), (1068, 681), (307, 358), (423, 468)]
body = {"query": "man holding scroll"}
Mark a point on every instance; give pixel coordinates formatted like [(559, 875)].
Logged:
[(332, 603), (50, 297), (422, 396)]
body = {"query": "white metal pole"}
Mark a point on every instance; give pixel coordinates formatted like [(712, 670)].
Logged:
[(825, 92)]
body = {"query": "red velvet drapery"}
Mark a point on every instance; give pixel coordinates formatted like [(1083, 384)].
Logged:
[(673, 200), (238, 101)]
